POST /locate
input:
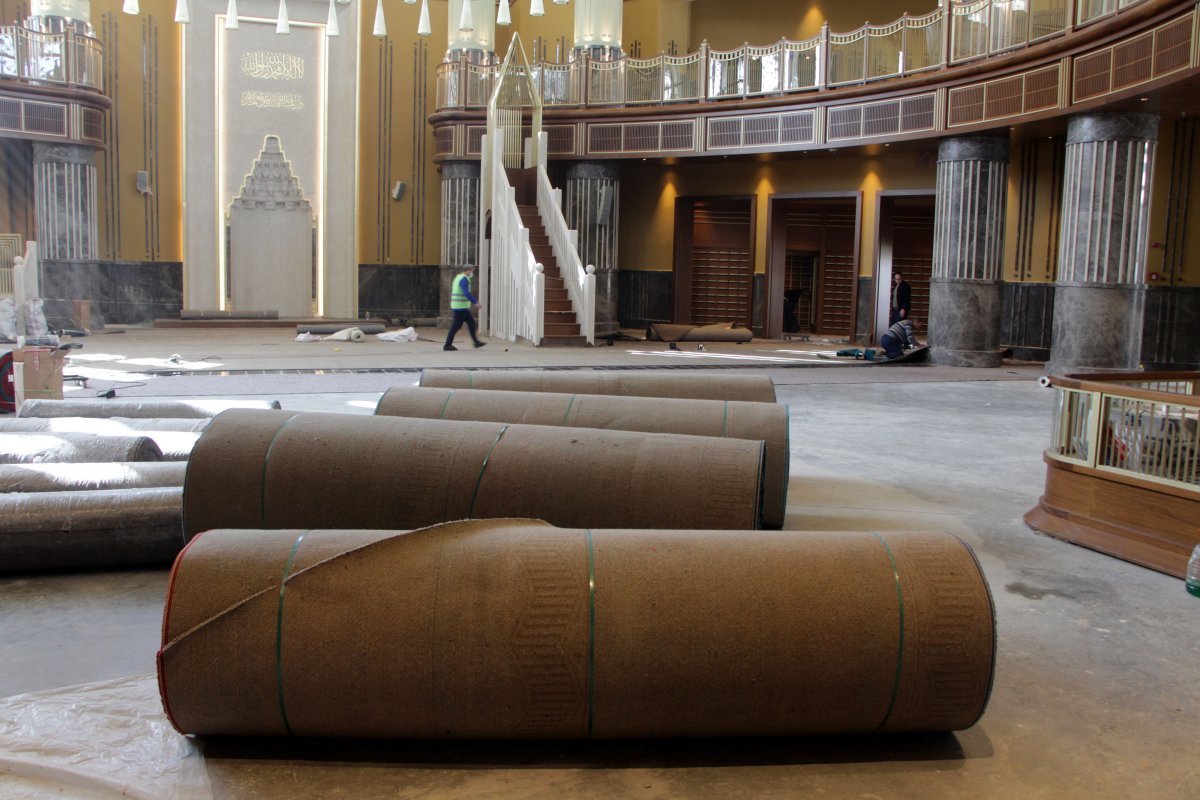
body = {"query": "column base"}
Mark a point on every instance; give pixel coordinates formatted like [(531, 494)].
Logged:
[(964, 322), (1097, 327), (985, 359)]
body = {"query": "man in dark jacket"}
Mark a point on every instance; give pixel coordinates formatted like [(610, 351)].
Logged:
[(901, 304)]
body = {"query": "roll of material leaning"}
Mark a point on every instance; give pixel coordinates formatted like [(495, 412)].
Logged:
[(751, 388), (767, 422), (281, 469), (516, 629)]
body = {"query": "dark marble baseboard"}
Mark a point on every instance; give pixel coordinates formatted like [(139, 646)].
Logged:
[(1171, 329), (1027, 319), (121, 292), (402, 293)]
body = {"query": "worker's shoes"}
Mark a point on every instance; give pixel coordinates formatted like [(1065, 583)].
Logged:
[(450, 347), (480, 344)]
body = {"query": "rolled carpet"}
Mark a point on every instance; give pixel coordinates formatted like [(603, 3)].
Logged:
[(174, 445), (279, 469), (82, 476), (191, 409), (750, 388), (767, 422), (516, 629), (66, 530), (34, 448)]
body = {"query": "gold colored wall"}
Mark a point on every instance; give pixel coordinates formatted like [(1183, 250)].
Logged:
[(648, 214), (144, 132), (1173, 254), (728, 25)]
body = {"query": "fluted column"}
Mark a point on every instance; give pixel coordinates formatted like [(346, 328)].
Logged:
[(1099, 297), (64, 182), (966, 290), (590, 204), (460, 227)]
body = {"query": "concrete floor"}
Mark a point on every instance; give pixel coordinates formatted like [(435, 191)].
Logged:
[(1096, 691)]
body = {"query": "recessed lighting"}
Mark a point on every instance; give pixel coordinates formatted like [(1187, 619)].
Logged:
[(1144, 99)]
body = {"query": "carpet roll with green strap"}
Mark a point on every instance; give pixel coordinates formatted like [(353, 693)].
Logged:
[(281, 469), (767, 422), (749, 388), (517, 629)]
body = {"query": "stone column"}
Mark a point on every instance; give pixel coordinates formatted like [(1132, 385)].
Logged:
[(460, 228), (1099, 297), (64, 182), (590, 203), (966, 290)]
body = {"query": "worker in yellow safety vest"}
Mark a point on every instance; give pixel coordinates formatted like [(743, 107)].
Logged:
[(461, 301)]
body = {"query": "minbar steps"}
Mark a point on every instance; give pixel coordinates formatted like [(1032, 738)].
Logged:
[(560, 327)]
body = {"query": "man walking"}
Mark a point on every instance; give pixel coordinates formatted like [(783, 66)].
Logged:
[(461, 302), (901, 304)]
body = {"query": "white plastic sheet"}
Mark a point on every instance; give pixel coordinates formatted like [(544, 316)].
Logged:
[(8, 319), (402, 335), (98, 740)]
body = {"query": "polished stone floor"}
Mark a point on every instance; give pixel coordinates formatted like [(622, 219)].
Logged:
[(1096, 693)]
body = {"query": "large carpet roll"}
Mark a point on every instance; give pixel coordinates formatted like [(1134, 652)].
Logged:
[(79, 477), (750, 388), (514, 628), (767, 422), (64, 530), (174, 445), (189, 409), (34, 448), (279, 469)]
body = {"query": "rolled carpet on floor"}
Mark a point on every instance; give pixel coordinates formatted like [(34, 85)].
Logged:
[(35, 448), (749, 388), (767, 422), (90, 475), (70, 530), (189, 409), (174, 445), (516, 629), (280, 469)]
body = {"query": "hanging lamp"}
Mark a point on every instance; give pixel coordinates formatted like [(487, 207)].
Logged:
[(536, 9), (380, 23), (131, 7), (181, 12), (423, 26), (331, 23), (503, 16), (231, 16), (466, 23), (281, 23)]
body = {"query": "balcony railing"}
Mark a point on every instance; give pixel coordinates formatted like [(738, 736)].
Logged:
[(66, 58), (1139, 425), (911, 44)]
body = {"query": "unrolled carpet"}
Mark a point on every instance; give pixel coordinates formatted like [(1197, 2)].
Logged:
[(751, 388), (280, 469), (767, 422), (516, 629)]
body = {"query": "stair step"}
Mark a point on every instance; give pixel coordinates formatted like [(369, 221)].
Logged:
[(558, 305), (556, 294), (560, 329), (564, 341)]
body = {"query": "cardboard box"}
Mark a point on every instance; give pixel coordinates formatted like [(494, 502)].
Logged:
[(38, 373)]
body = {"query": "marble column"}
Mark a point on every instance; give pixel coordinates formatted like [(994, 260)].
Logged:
[(64, 183), (591, 195), (966, 290), (1099, 296), (460, 228)]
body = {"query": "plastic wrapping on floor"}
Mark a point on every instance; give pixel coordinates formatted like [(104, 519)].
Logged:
[(34, 448), (193, 409), (98, 740)]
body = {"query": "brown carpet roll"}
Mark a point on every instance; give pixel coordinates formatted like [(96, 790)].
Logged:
[(750, 388), (35, 448), (767, 422), (190, 409), (513, 628), (279, 469), (85, 476), (68, 530)]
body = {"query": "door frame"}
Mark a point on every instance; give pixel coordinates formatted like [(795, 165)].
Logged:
[(777, 256), (883, 255), (685, 219)]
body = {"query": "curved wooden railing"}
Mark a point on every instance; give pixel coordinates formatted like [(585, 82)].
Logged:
[(1143, 425), (1123, 466), (911, 44)]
